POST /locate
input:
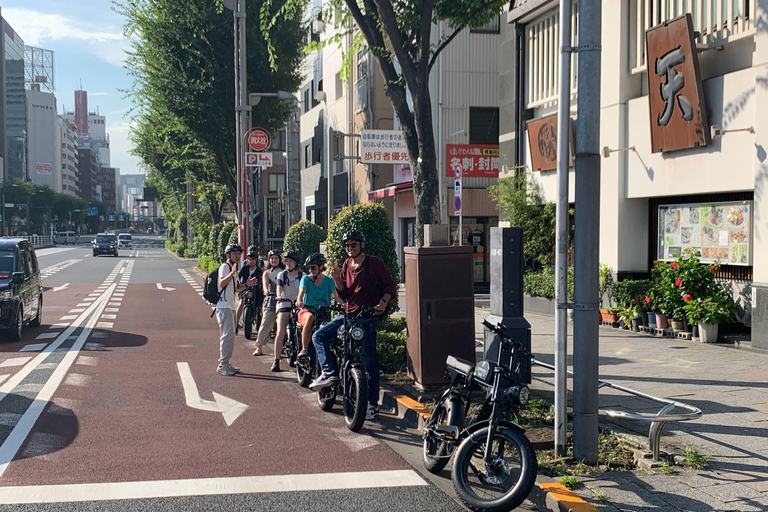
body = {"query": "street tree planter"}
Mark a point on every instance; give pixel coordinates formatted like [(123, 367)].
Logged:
[(609, 315), (708, 333)]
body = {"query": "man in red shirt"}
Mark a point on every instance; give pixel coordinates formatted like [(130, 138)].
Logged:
[(363, 280)]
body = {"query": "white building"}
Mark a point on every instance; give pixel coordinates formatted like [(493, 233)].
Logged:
[(66, 141), (97, 137), (42, 149), (652, 197)]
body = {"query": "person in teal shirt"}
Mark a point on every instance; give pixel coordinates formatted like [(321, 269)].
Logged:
[(315, 289)]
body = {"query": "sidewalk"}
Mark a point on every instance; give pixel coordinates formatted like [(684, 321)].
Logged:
[(730, 386)]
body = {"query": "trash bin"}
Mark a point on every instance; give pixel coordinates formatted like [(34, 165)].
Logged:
[(440, 309)]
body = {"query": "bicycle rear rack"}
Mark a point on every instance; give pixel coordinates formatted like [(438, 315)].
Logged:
[(657, 421)]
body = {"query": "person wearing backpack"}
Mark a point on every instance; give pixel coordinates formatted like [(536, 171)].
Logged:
[(249, 276), (268, 308), (287, 291), (226, 306)]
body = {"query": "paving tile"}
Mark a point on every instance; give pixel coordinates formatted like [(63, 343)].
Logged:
[(731, 492)]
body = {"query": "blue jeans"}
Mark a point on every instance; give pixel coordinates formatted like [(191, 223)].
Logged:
[(323, 336)]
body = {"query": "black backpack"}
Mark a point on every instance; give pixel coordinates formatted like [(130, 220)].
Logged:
[(211, 291)]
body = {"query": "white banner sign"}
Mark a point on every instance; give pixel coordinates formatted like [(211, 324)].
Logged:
[(46, 169), (383, 147), (258, 159)]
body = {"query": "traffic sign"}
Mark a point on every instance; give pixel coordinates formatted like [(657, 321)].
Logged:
[(130, 217), (9, 205), (111, 217), (457, 188), (122, 217), (258, 159), (259, 139), (141, 217), (457, 172), (457, 205), (101, 217)]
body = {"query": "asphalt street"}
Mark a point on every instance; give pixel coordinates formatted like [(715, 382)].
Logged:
[(114, 403)]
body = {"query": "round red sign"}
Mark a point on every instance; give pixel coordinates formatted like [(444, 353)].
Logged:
[(259, 139)]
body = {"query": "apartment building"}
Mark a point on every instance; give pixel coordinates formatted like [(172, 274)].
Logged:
[(659, 196), (66, 141)]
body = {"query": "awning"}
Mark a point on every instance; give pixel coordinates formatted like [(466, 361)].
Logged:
[(389, 191)]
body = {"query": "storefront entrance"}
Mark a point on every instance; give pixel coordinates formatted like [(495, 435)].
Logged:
[(476, 232)]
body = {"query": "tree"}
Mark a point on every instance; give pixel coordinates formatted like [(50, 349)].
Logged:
[(183, 90), (399, 33)]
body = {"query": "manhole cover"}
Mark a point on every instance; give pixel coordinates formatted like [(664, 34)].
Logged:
[(679, 347)]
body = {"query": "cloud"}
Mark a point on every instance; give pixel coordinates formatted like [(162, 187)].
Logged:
[(37, 29)]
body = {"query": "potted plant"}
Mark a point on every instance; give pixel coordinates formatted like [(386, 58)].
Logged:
[(708, 313), (605, 279), (610, 315), (630, 315)]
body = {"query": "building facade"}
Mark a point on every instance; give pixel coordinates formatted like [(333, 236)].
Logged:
[(659, 199), (13, 104), (67, 161), (43, 152)]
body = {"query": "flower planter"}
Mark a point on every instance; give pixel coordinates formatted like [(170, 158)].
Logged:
[(651, 319), (677, 325), (644, 319), (708, 333), (662, 322), (609, 316), (636, 323)]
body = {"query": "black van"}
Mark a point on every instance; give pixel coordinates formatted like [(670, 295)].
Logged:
[(21, 290)]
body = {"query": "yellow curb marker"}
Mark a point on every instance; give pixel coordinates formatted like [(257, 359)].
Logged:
[(414, 405), (567, 497)]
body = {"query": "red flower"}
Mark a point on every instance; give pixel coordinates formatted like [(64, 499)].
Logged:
[(647, 299), (713, 268), (674, 265), (687, 297), (678, 282)]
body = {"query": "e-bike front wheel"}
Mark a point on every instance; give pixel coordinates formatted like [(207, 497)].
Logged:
[(355, 399)]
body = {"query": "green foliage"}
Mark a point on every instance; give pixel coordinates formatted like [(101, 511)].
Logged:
[(629, 313), (605, 280), (718, 308), (200, 243), (373, 221), (208, 264), (601, 497), (570, 481), (542, 283), (695, 460), (392, 352), (224, 236), (233, 237), (666, 469), (213, 240), (392, 324), (630, 292), (686, 280), (304, 237), (181, 248), (183, 94)]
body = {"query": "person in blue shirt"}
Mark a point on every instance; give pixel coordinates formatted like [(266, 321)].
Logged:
[(315, 289)]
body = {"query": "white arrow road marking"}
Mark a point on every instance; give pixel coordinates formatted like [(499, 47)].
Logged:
[(230, 409), (59, 288), (160, 287)]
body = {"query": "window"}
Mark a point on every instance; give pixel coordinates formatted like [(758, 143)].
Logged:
[(307, 155), (362, 64), (483, 125), (339, 86), (276, 182), (492, 27)]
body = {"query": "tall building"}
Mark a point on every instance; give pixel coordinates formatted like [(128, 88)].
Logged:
[(130, 191), (87, 167), (91, 128), (43, 151), (13, 103), (66, 141), (104, 180)]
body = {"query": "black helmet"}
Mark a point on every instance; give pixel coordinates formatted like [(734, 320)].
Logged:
[(232, 248), (315, 259), (355, 235), (253, 251), (293, 255), (274, 252)]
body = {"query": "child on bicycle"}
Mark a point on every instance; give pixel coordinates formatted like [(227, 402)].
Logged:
[(315, 289), (287, 291)]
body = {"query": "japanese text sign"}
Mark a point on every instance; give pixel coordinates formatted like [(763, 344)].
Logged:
[(475, 160), (383, 147), (676, 97)]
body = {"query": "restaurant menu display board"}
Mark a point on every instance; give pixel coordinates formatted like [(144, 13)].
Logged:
[(720, 232)]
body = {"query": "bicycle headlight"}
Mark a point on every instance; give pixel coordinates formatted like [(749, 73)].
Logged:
[(6, 294), (357, 333), (340, 332), (520, 394)]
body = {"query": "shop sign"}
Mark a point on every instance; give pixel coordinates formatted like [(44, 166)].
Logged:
[(676, 97), (719, 232), (275, 218), (542, 143), (383, 147), (45, 169), (475, 160)]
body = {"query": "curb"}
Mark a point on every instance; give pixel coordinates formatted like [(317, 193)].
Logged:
[(546, 495)]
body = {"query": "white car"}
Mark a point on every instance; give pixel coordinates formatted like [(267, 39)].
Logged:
[(124, 240)]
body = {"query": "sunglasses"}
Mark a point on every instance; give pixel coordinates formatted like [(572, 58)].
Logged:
[(313, 267), (350, 246)]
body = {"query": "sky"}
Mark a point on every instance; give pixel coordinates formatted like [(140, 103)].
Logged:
[(87, 38)]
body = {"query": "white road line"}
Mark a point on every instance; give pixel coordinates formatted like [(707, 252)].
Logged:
[(15, 439), (3, 377), (105, 325), (36, 347), (58, 326), (47, 335), (87, 360), (109, 317), (77, 310), (77, 379), (15, 361), (68, 317), (209, 487), (111, 310), (83, 305)]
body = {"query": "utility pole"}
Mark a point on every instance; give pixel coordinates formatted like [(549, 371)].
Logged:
[(561, 241), (587, 236)]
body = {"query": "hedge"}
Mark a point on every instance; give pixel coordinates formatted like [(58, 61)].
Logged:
[(213, 240), (542, 283), (305, 238), (630, 292)]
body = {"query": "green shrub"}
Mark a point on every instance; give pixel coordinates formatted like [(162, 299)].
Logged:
[(542, 283), (213, 240), (392, 353), (224, 236), (181, 229), (304, 237), (630, 292), (168, 244), (373, 221), (180, 248), (392, 324), (204, 262), (200, 243), (170, 233), (233, 238)]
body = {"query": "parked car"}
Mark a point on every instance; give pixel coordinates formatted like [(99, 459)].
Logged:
[(105, 243), (64, 237), (124, 240), (21, 290)]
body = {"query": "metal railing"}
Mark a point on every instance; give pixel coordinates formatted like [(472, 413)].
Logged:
[(658, 420)]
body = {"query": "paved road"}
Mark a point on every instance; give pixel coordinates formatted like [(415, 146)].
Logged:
[(117, 390)]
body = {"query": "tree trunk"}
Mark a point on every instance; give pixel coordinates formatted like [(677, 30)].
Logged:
[(425, 179)]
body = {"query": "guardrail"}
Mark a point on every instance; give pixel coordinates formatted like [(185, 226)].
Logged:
[(658, 420)]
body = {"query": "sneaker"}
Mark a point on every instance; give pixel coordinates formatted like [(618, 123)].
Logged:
[(258, 352), (226, 370), (303, 355), (372, 412), (233, 368), (275, 366), (323, 381)]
